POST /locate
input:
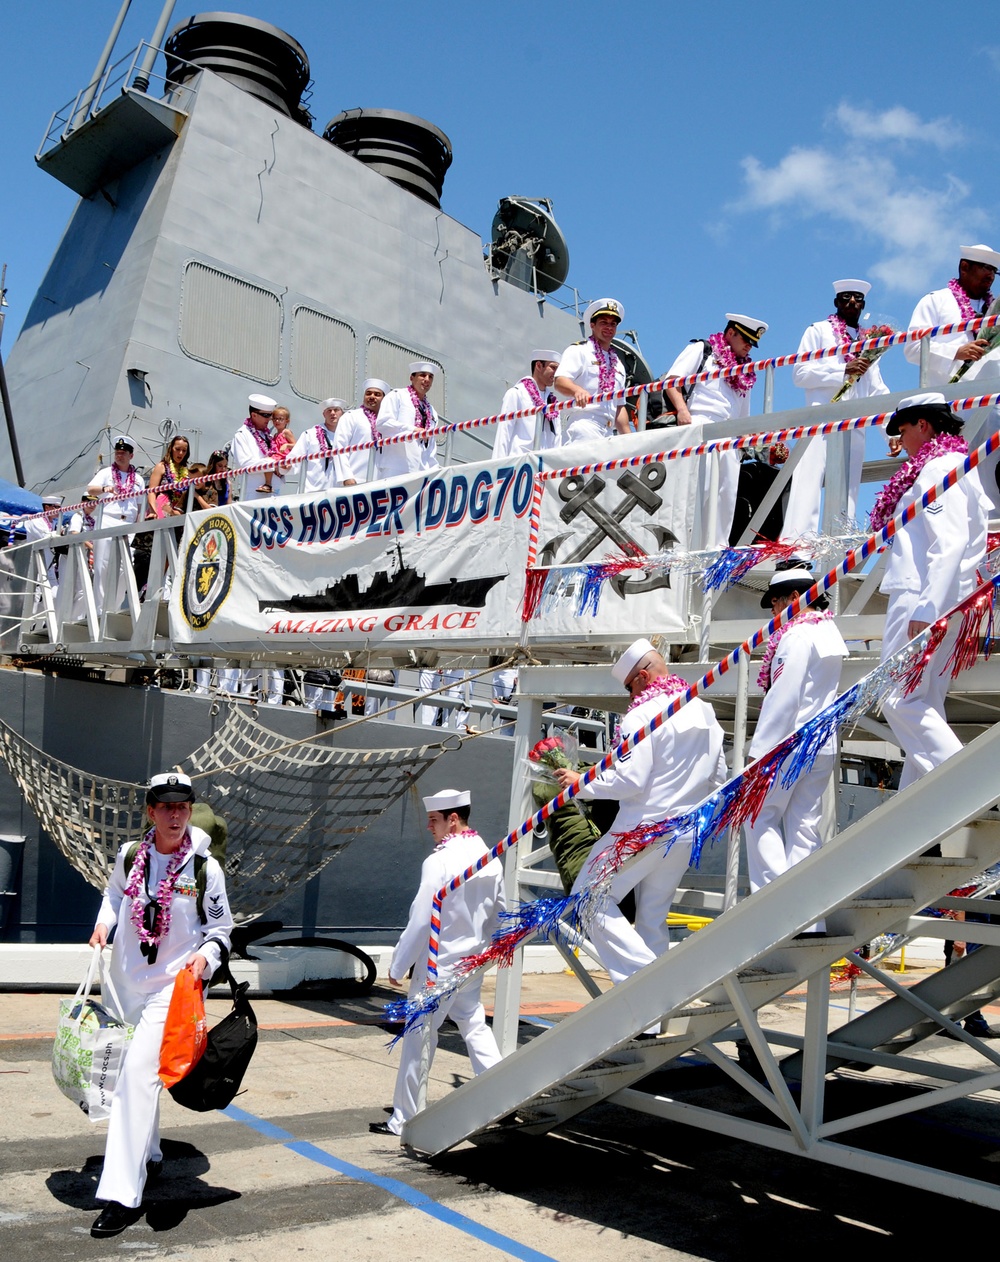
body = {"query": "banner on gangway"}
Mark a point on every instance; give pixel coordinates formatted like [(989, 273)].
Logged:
[(428, 558)]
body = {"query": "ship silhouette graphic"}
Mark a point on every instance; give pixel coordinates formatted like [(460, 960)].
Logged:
[(399, 586)]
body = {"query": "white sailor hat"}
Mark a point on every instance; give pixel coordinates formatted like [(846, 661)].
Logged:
[(423, 365), (335, 403), (604, 306), (52, 501), (547, 357), (797, 577), (446, 800), (980, 254), (925, 406), (376, 383), (170, 786), (851, 286), (630, 659), (122, 441), (752, 329), (261, 403)]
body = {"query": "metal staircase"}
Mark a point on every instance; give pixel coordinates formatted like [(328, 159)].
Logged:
[(872, 876)]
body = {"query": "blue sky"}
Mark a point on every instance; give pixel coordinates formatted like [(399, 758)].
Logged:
[(698, 162)]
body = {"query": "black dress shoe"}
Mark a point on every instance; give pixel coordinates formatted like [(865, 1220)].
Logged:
[(112, 1220), (982, 1031), (153, 1170), (381, 1128)]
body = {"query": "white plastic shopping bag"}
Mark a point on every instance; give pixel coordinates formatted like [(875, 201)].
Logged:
[(91, 1040)]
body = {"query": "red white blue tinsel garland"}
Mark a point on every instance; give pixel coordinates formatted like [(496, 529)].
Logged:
[(736, 803), (719, 570)]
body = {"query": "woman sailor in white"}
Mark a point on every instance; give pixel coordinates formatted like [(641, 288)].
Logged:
[(821, 379), (409, 411), (800, 677), (933, 563), (469, 918), (514, 438), (589, 368), (154, 909)]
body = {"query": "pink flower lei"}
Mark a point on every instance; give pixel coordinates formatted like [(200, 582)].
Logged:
[(164, 893), (725, 357), (372, 418), (535, 395), (124, 482), (607, 364), (965, 306), (662, 686), (261, 437), (844, 339), (466, 832), (424, 411), (904, 478), (804, 618)]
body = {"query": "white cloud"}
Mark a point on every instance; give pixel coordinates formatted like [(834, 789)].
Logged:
[(916, 226), (898, 124)]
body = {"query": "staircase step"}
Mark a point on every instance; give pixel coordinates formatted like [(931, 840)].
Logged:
[(873, 904)]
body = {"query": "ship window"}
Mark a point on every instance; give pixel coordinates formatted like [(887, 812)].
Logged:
[(231, 323), (391, 362), (323, 355)]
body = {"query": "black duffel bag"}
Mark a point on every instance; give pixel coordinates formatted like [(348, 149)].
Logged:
[(216, 1078)]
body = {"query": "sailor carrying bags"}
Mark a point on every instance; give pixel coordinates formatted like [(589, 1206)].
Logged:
[(216, 1078), (90, 1046)]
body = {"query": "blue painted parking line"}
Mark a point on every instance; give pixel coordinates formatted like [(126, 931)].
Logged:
[(395, 1187)]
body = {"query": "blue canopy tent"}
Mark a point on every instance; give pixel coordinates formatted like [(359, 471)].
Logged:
[(15, 499)]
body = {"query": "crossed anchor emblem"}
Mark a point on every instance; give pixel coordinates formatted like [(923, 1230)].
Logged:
[(580, 495)]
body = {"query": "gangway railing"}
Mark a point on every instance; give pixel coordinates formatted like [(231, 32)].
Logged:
[(139, 626), (709, 989), (116, 79)]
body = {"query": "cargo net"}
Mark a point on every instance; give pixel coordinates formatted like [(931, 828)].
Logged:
[(290, 806)]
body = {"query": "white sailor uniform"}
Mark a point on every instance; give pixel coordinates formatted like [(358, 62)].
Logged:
[(932, 566), (805, 679), (580, 364), (663, 776), (353, 428), (713, 403), (245, 453), (469, 917), (79, 523), (514, 438), (39, 526), (941, 307), (397, 415), (321, 473), (144, 991), (107, 595), (821, 379)]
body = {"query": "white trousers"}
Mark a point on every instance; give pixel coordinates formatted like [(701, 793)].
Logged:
[(134, 1125), (581, 425), (427, 713), (802, 514), (654, 877), (790, 825), (724, 500), (467, 1012), (917, 721)]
